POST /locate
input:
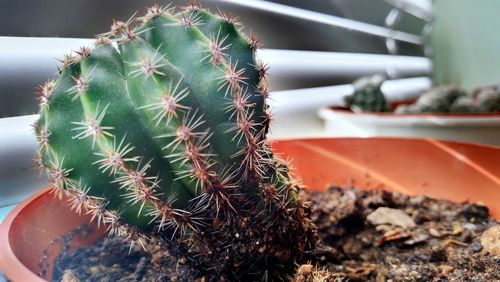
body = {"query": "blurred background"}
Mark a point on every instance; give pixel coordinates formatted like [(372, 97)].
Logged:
[(315, 50), (331, 27), (465, 42)]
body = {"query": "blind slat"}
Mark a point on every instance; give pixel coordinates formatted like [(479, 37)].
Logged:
[(329, 20)]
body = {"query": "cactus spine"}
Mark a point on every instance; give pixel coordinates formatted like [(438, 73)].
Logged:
[(160, 131)]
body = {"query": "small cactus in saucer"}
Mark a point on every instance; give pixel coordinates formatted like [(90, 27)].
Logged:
[(368, 95), (488, 99), (435, 100)]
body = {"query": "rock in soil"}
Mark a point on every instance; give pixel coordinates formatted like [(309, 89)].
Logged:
[(390, 216), (309, 273), (69, 276), (490, 240), (366, 236)]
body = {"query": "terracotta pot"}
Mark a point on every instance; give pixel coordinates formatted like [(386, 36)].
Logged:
[(444, 170), (482, 128)]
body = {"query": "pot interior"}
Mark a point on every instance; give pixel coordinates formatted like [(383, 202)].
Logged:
[(440, 169), (36, 232), (444, 170)]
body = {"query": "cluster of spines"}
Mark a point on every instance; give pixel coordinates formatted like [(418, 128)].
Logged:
[(239, 106), (80, 201), (130, 171), (115, 161)]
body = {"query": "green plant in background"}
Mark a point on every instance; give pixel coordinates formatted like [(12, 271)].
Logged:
[(451, 99), (487, 99), (480, 100), (436, 100), (463, 104), (368, 95), (159, 131)]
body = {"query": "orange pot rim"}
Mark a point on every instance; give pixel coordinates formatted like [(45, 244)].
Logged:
[(9, 262)]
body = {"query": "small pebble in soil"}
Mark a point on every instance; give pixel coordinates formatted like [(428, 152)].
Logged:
[(490, 240), (69, 276), (470, 226), (305, 269), (383, 215), (475, 247), (447, 269), (416, 239)]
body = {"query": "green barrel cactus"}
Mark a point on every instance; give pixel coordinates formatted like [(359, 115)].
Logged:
[(438, 99), (159, 131), (368, 95), (481, 100), (464, 104), (488, 99)]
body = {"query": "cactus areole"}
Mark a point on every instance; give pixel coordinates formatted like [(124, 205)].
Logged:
[(159, 132)]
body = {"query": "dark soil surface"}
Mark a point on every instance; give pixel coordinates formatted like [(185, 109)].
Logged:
[(431, 241), (367, 236)]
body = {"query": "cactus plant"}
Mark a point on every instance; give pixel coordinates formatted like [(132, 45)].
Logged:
[(451, 99), (436, 100), (481, 100), (464, 104), (488, 99), (439, 99), (159, 131), (368, 95)]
